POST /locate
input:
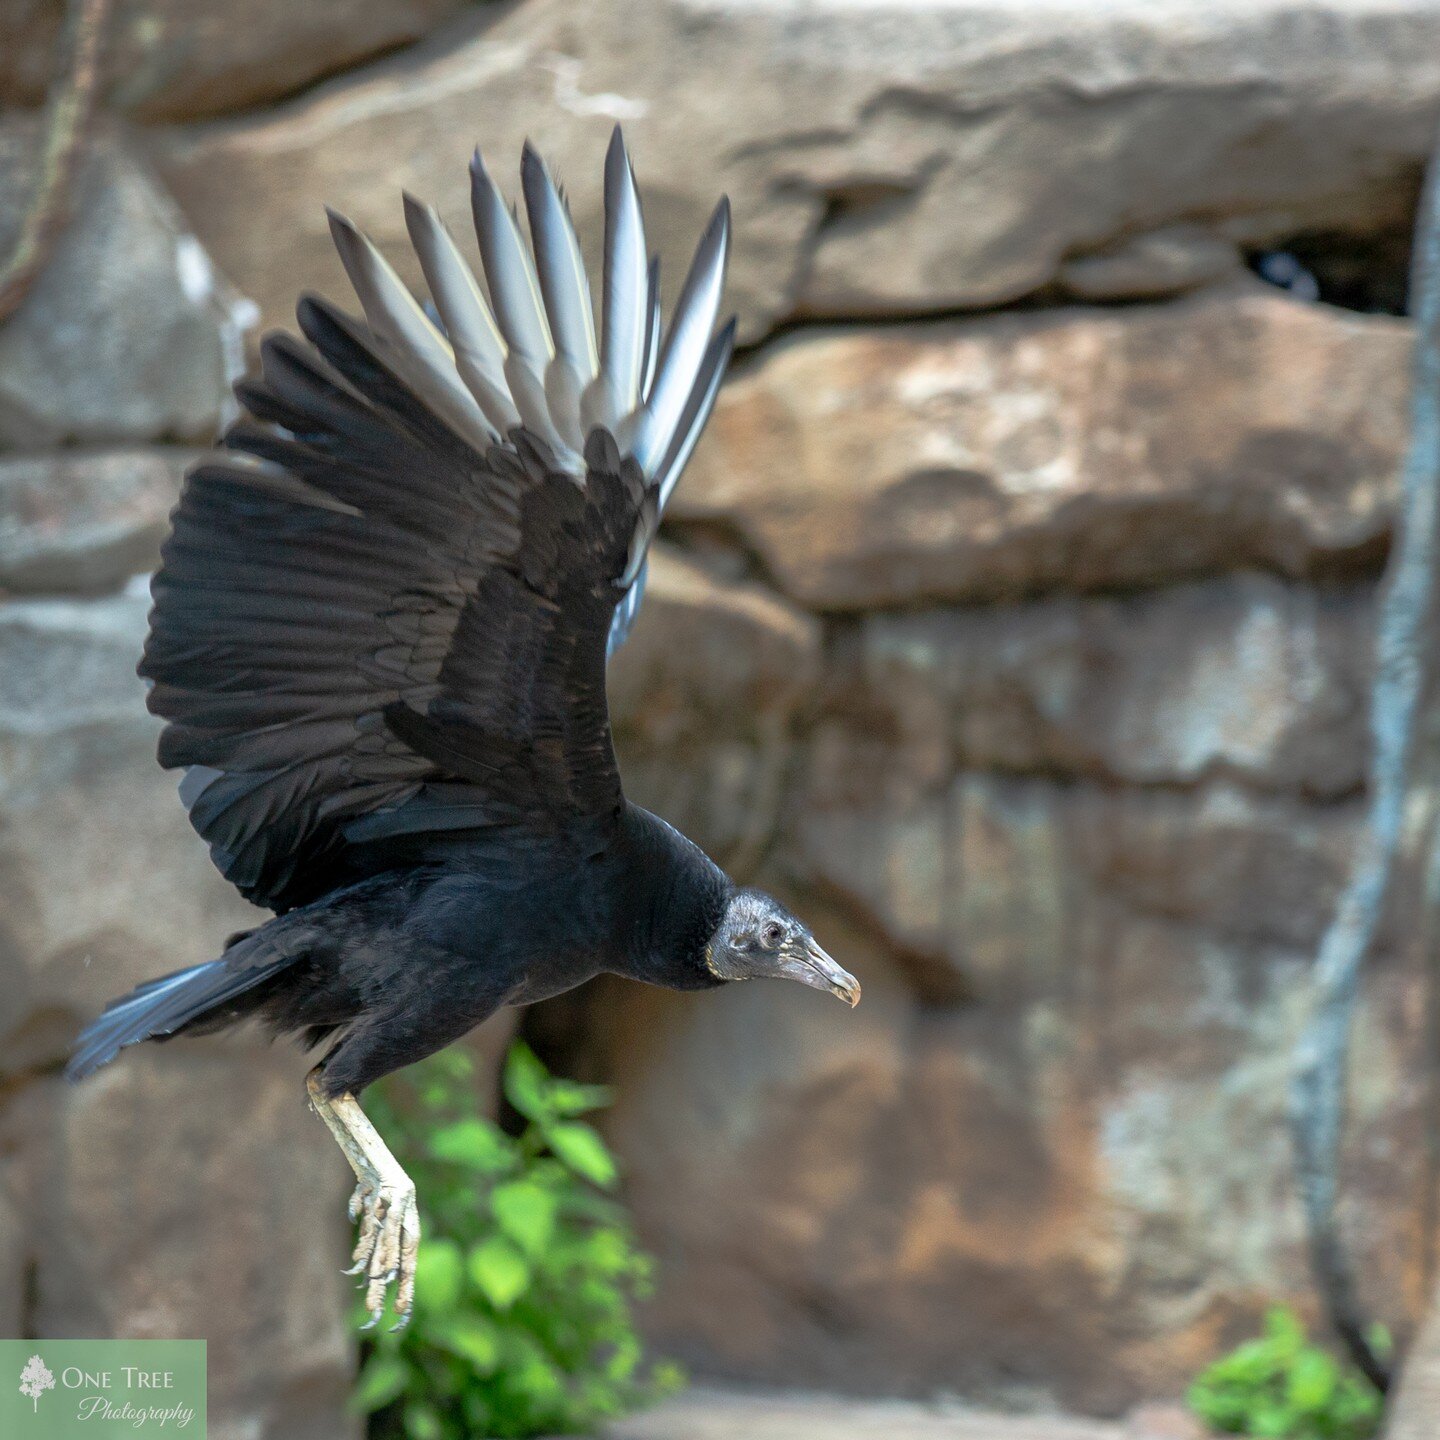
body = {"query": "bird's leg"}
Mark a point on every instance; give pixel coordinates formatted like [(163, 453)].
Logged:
[(383, 1203)]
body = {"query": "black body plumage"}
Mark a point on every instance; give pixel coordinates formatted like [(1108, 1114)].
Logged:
[(379, 640), (401, 963)]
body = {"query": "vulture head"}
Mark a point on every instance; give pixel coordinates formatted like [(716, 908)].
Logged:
[(759, 939)]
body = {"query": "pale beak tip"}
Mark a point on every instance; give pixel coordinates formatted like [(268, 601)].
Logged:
[(832, 976)]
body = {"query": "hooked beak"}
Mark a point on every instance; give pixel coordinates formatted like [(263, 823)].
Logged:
[(810, 965)]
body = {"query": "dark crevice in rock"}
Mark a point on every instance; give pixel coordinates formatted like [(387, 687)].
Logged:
[(1085, 772), (1366, 273), (799, 320), (1358, 563), (721, 548), (861, 202)]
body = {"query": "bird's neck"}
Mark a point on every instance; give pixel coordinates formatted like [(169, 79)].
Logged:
[(678, 898)]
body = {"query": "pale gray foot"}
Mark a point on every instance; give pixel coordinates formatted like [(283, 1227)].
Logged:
[(383, 1204)]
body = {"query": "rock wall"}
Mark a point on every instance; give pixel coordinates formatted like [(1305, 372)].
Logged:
[(1074, 791), (187, 1191), (1025, 652)]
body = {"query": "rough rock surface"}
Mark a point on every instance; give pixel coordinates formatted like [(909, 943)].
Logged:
[(1024, 654), (1168, 261), (1076, 450), (1070, 1185), (179, 59), (1244, 676), (185, 1191), (880, 162), (14, 1261), (105, 883), (705, 1414), (129, 334), (190, 1192), (84, 522), (977, 772), (1080, 852), (704, 698), (1415, 1403)]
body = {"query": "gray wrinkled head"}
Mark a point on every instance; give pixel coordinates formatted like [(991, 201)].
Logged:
[(759, 939)]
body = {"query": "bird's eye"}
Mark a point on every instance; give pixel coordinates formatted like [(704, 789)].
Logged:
[(772, 935)]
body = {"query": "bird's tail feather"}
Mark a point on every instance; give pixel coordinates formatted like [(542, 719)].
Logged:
[(162, 1007)]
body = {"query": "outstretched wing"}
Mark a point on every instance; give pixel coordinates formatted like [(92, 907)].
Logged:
[(383, 617)]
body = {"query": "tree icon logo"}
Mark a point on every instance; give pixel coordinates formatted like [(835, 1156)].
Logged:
[(35, 1379)]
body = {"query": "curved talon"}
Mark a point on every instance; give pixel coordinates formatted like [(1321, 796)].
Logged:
[(386, 1250), (383, 1203)]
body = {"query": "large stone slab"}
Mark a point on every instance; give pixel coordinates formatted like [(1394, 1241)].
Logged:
[(1072, 450), (184, 1191), (129, 334), (979, 880), (178, 59), (1195, 753), (707, 1413), (1415, 1402), (1079, 853), (880, 162), (704, 697), (190, 1192), (1066, 1182), (1248, 677), (105, 883), (84, 522)]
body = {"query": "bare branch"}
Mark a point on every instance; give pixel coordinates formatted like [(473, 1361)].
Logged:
[(1318, 1091), (68, 108)]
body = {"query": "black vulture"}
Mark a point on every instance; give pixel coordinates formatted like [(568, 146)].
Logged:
[(379, 639)]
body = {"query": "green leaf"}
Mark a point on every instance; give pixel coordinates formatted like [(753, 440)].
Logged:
[(422, 1421), (439, 1275), (668, 1378), (583, 1151), (526, 1213), (1271, 1422), (526, 1081), (477, 1144), (472, 1339), (1282, 1387), (380, 1382), (584, 1204), (529, 1272), (569, 1099), (1312, 1381), (609, 1251), (455, 1063), (1284, 1330), (499, 1270)]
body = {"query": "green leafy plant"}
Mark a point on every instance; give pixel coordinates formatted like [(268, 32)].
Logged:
[(1281, 1387), (527, 1272)]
